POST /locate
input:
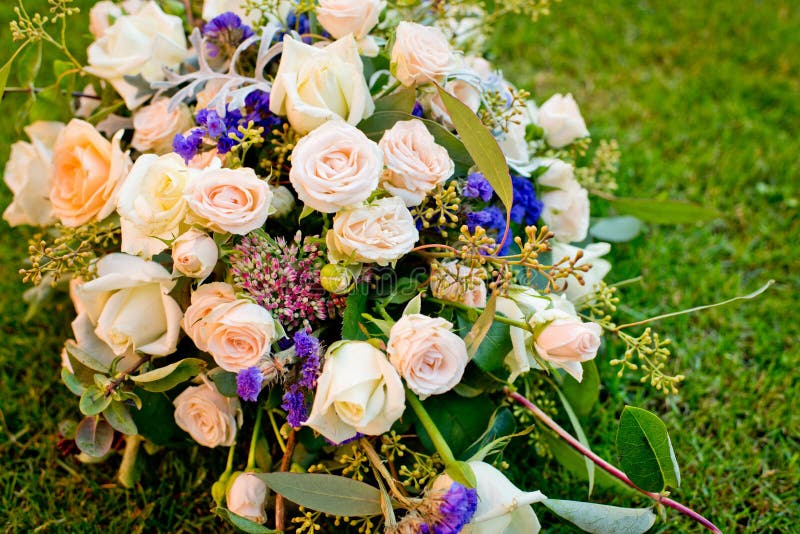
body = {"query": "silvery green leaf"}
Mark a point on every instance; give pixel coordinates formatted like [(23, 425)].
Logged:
[(601, 518)]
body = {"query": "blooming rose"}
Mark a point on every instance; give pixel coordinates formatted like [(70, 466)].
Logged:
[(427, 354), (456, 282), (566, 204), (130, 307), (381, 232), (207, 415), (87, 173), (591, 255), (205, 300), (520, 305), (415, 164), (421, 54), (28, 174), (358, 392), (314, 85), (101, 16), (143, 44), (561, 121), (566, 341), (247, 497), (229, 200), (83, 330), (335, 166), (238, 334), (151, 203), (194, 254), (340, 17), (155, 126)]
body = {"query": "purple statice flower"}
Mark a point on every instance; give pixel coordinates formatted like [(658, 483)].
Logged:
[(306, 348), (213, 123), (417, 111), (456, 509), (257, 108), (225, 32), (248, 383), (527, 207), (478, 187), (491, 218), (188, 146), (294, 403)]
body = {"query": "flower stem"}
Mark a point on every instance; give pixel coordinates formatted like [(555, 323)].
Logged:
[(277, 431), (286, 462), (127, 469), (498, 318), (430, 427), (610, 469), (251, 455)]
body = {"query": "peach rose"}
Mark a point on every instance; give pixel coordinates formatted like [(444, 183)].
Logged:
[(155, 126), (566, 203), (415, 164), (381, 233), (194, 254), (340, 17), (207, 415), (87, 173), (205, 300), (335, 166), (229, 200), (456, 282), (239, 334), (566, 341), (421, 54), (247, 496)]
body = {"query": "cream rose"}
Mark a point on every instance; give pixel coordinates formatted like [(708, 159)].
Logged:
[(86, 175), (415, 164), (340, 17), (314, 85), (520, 305), (592, 255), (194, 254), (28, 174), (239, 334), (212, 8), (151, 203), (427, 354), (229, 200), (381, 232), (143, 44), (358, 392), (247, 497), (457, 282), (561, 121), (204, 301), (421, 54), (129, 305), (566, 203), (83, 330), (335, 166), (207, 415), (566, 341), (155, 126), (101, 16)]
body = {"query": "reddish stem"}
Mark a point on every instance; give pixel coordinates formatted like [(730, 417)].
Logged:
[(286, 462), (613, 471)]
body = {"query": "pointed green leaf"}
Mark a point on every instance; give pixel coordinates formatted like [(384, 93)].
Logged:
[(74, 351), (93, 401), (401, 100), (481, 327), (29, 63), (94, 436), (645, 450), (603, 519), (5, 70), (166, 378), (616, 229), (582, 395), (355, 306), (663, 211), (462, 473), (461, 421), (72, 383), (242, 523), (500, 425), (119, 417), (414, 305), (329, 494), (576, 425)]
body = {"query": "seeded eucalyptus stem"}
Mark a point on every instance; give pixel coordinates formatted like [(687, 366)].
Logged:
[(609, 468), (438, 440)]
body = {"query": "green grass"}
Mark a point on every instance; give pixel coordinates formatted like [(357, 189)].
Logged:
[(704, 100)]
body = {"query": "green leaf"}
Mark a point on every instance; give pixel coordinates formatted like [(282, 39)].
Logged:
[(582, 395), (94, 401), (576, 425), (242, 523), (355, 306), (462, 473), (86, 359), (156, 421), (225, 382), (51, 103), (616, 229), (72, 383), (329, 494), (402, 100), (30, 61), (119, 417), (414, 305), (574, 462), (481, 326), (482, 147), (500, 425), (94, 436), (645, 450), (490, 354), (166, 378), (663, 211), (5, 70), (461, 421), (601, 518)]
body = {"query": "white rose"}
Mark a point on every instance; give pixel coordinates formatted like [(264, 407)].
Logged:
[(143, 44), (213, 8), (415, 164), (151, 203), (520, 305), (155, 126), (130, 307), (340, 17), (427, 354), (358, 392), (421, 54), (207, 415), (561, 121), (205, 300), (566, 203), (101, 16), (566, 341), (592, 254), (381, 232), (83, 330), (238, 334), (457, 282), (194, 254), (335, 166), (247, 497), (28, 174), (229, 200), (314, 85)]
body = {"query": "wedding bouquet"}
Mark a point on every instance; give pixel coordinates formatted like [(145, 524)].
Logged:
[(332, 238)]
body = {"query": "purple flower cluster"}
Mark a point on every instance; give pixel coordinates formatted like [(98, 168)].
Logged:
[(248, 383), (307, 350), (478, 187), (527, 207), (225, 32), (457, 507)]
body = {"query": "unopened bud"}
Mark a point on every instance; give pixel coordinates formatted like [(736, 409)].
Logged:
[(337, 279)]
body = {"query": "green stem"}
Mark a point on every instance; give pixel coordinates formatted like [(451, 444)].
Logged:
[(229, 465), (276, 430), (499, 318), (389, 89), (251, 455), (430, 427), (127, 475)]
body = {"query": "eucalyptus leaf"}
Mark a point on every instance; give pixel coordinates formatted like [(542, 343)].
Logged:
[(401, 100), (583, 395), (74, 351), (645, 450), (355, 306), (663, 211), (576, 425), (119, 417), (156, 421), (29, 63), (501, 424), (616, 229), (460, 420), (169, 376), (329, 494), (94, 401), (72, 383), (225, 382), (242, 523), (5, 70), (94, 436), (601, 518)]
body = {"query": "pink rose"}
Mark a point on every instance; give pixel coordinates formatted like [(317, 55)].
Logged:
[(566, 341), (239, 334), (155, 126), (421, 54), (204, 301)]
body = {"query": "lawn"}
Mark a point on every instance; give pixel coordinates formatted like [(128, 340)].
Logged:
[(704, 99)]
